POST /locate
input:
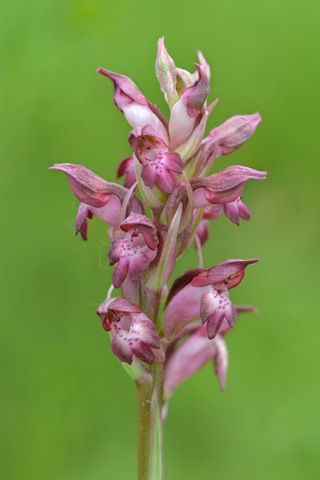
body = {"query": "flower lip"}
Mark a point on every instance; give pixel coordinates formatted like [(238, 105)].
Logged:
[(145, 227), (230, 272), (133, 332), (145, 139)]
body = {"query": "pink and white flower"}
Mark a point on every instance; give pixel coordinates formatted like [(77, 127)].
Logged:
[(133, 332)]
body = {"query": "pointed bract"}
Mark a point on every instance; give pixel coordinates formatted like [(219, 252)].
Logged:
[(166, 73)]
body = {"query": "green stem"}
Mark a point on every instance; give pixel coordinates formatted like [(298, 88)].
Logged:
[(150, 465)]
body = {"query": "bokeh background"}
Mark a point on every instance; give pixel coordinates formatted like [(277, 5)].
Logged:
[(68, 408)]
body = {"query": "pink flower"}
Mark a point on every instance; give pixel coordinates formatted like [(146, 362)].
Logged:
[(158, 163), (136, 108), (204, 294), (133, 252), (133, 332), (224, 186), (234, 132), (97, 196)]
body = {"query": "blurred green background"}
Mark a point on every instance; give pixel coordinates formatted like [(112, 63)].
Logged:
[(68, 408)]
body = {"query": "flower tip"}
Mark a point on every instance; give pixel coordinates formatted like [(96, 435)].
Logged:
[(102, 71), (60, 166), (161, 42)]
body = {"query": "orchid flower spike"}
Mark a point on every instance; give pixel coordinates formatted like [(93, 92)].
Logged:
[(168, 166)]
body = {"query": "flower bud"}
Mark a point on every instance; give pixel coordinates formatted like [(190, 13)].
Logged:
[(186, 111)]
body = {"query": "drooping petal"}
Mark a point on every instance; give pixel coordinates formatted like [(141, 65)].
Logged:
[(215, 307), (237, 209), (81, 220), (221, 361), (164, 168), (126, 167), (202, 232), (212, 212), (190, 357)]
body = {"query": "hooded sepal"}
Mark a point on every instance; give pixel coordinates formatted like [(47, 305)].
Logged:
[(88, 187), (235, 132), (229, 273), (136, 108), (224, 186)]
